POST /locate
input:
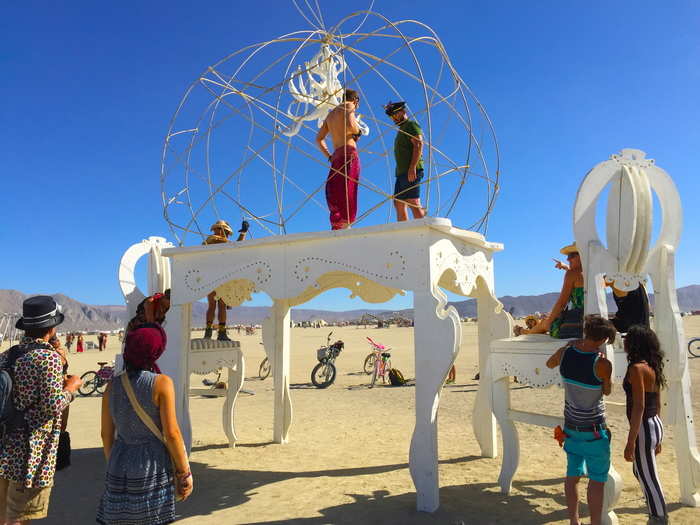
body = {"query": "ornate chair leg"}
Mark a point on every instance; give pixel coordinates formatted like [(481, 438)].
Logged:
[(437, 336), (511, 441)]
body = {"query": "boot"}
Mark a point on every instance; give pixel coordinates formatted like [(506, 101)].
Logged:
[(207, 332), (223, 336)]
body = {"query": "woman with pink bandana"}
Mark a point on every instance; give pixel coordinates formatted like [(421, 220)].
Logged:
[(141, 485)]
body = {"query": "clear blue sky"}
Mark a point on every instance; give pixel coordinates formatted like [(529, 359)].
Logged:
[(88, 90)]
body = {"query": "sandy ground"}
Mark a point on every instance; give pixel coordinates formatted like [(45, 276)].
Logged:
[(347, 459)]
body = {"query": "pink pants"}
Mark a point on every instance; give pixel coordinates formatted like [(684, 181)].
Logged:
[(341, 187)]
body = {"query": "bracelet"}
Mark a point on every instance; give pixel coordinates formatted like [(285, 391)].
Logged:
[(182, 476), (330, 158)]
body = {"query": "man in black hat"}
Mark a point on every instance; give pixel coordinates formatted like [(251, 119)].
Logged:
[(39, 395), (408, 149)]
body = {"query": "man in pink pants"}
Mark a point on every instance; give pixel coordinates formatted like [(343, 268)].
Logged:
[(342, 181)]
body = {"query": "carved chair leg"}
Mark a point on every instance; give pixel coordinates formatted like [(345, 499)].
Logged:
[(611, 494), (509, 433), (687, 456), (276, 337), (437, 333), (235, 383)]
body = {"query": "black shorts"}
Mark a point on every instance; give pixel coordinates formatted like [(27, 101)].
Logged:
[(403, 189)]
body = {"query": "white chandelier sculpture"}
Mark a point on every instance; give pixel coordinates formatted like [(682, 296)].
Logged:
[(241, 144)]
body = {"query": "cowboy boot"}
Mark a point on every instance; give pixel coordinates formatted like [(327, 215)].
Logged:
[(207, 332), (223, 336)]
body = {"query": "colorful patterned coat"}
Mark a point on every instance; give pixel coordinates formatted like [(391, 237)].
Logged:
[(29, 455)]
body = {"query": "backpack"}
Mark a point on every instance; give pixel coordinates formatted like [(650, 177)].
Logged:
[(396, 377), (10, 417)]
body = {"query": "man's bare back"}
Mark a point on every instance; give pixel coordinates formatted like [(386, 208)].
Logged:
[(342, 126)]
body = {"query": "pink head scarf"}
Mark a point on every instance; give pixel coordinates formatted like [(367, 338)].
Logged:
[(144, 346)]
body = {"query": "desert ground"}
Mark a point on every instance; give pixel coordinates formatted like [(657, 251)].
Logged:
[(347, 457)]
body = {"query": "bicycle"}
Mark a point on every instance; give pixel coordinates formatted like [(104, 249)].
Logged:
[(96, 381), (323, 374), (382, 363), (368, 365), (694, 347)]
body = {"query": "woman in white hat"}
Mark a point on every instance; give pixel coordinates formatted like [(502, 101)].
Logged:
[(565, 320)]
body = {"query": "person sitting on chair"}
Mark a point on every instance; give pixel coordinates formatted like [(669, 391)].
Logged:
[(565, 321), (221, 232)]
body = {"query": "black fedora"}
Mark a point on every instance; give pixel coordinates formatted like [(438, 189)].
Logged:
[(40, 311), (393, 107)]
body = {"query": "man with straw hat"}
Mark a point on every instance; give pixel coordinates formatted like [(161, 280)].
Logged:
[(37, 393), (221, 232), (408, 150)]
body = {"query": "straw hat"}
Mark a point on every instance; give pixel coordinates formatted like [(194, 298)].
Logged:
[(222, 225), (571, 248)]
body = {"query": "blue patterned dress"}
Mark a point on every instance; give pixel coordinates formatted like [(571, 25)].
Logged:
[(139, 487)]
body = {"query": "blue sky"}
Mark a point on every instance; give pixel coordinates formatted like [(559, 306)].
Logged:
[(89, 88)]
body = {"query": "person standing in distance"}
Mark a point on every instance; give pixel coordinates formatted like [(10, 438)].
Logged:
[(408, 150)]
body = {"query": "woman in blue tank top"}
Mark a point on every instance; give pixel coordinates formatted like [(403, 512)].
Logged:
[(141, 483)]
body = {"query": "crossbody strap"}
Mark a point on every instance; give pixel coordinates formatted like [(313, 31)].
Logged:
[(143, 416)]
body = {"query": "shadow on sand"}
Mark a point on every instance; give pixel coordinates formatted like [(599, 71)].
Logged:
[(77, 492)]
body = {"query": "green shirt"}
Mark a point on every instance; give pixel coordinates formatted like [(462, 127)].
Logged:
[(403, 147)]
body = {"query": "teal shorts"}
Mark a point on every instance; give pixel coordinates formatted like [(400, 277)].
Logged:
[(586, 455)]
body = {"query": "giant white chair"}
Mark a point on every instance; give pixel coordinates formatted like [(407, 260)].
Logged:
[(626, 262), (201, 356)]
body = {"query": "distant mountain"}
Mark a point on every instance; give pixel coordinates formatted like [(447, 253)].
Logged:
[(81, 316)]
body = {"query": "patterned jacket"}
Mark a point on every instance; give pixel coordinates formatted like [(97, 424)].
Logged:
[(28, 455)]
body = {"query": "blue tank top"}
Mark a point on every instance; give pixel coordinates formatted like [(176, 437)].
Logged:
[(583, 389)]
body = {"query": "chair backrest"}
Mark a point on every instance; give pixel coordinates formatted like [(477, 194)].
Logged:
[(158, 271), (629, 219)]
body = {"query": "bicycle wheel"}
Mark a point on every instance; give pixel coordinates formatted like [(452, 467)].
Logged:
[(375, 373), (387, 369), (265, 369), (90, 381), (369, 363), (694, 347), (323, 375), (101, 385)]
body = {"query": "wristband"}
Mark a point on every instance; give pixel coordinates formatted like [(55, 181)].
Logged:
[(330, 158)]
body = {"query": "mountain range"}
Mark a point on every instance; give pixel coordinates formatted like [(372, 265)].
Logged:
[(81, 316)]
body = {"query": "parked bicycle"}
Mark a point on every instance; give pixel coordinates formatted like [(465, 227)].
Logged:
[(381, 362), (323, 374), (694, 347), (368, 365), (96, 381)]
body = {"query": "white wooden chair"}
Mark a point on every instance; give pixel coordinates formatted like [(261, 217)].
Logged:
[(204, 356), (625, 262)]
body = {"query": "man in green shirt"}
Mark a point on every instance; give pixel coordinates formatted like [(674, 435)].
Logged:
[(408, 147)]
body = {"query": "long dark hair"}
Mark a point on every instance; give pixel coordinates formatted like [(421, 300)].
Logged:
[(641, 344)]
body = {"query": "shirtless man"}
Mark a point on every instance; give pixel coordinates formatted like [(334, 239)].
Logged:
[(341, 184)]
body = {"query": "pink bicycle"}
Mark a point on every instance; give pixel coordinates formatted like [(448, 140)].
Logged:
[(378, 362)]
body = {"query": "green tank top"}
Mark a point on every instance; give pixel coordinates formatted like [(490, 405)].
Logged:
[(575, 303)]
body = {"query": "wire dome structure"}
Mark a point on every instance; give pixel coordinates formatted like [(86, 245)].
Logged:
[(241, 144)]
